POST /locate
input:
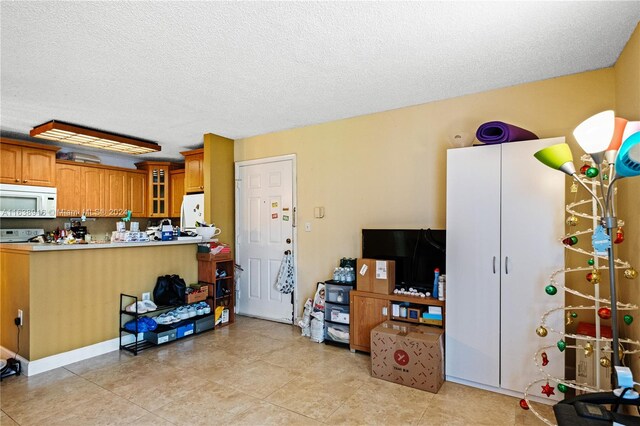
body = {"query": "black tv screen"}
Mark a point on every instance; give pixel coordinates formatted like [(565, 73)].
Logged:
[(417, 253)]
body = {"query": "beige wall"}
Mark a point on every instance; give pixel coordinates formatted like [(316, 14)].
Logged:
[(219, 188), (387, 170), (627, 87)]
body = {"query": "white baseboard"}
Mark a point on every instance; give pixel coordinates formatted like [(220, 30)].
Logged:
[(31, 368), (548, 401)]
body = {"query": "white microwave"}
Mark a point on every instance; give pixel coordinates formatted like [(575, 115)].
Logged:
[(23, 201)]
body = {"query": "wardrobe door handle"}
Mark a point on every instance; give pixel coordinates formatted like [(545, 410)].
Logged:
[(494, 264), (506, 265)]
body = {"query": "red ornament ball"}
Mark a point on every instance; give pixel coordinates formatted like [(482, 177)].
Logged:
[(604, 313), (584, 169), (523, 404)]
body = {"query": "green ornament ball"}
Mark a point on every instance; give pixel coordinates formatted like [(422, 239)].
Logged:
[(591, 261), (574, 315), (592, 172), (605, 176), (628, 319), (562, 387), (574, 239), (551, 290), (561, 345)]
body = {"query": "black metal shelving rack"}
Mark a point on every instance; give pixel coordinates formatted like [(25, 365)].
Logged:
[(140, 344)]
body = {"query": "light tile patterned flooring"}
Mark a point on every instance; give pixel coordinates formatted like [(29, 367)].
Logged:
[(252, 373)]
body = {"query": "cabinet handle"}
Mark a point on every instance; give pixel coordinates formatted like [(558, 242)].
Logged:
[(494, 264), (17, 180), (506, 265), (202, 187), (25, 181)]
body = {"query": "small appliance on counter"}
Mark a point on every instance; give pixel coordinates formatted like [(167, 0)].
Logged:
[(19, 235), (79, 232)]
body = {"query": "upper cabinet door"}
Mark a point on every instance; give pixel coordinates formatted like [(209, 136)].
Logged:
[(137, 194), (38, 167), (10, 164), (177, 192), (93, 191), (194, 171), (117, 196), (70, 202)]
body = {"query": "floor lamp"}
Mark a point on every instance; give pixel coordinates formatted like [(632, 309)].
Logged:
[(603, 137)]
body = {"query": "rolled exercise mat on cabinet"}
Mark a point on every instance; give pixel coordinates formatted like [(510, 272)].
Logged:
[(498, 132)]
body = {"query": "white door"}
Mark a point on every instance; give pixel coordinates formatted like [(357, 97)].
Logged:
[(265, 206), (473, 265), (532, 222)]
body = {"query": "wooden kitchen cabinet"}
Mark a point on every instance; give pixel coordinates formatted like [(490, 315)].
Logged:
[(194, 171), (93, 192), (69, 178), (100, 191), (177, 191), (137, 193), (117, 193), (367, 311), (158, 186), (27, 163)]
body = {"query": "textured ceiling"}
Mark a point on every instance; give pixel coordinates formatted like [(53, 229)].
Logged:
[(172, 71)]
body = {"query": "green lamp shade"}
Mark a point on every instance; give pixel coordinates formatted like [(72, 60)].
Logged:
[(557, 156)]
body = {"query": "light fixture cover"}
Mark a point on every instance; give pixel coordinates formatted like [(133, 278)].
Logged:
[(628, 161), (557, 157), (595, 133), (92, 138)]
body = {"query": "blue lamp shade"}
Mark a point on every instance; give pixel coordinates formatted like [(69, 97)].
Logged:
[(628, 161)]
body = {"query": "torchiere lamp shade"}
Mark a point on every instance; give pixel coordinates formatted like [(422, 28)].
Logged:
[(595, 133), (628, 161), (557, 157)]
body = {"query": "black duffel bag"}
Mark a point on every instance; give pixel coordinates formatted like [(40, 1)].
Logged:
[(169, 290)]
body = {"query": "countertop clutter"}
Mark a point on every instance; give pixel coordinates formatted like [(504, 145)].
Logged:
[(38, 247)]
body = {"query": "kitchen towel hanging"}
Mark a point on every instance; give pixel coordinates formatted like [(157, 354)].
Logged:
[(285, 282), (499, 132)]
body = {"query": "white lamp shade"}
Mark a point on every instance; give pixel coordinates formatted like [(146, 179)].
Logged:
[(595, 133), (631, 128)]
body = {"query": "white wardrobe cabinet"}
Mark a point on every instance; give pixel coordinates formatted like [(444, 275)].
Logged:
[(504, 218)]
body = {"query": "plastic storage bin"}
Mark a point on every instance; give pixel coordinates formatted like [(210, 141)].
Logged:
[(336, 332), (336, 313), (337, 293)]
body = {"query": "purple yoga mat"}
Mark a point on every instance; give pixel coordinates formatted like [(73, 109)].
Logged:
[(499, 132)]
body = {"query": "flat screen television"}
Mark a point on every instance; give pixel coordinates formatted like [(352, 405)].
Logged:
[(417, 253)]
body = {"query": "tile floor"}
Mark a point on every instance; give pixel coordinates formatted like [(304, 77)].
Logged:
[(252, 373)]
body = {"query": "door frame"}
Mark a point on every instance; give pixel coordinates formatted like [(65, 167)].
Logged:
[(294, 224)]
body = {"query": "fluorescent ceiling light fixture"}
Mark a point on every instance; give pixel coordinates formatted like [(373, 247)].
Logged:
[(595, 133), (79, 135)]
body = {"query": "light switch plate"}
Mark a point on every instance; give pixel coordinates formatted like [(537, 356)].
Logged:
[(307, 227)]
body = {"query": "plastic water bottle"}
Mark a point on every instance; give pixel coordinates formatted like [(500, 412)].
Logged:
[(441, 283), (336, 275), (436, 276)]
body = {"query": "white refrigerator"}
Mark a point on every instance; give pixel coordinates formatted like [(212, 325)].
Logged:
[(192, 211)]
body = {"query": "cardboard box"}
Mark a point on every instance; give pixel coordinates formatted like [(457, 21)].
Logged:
[(376, 276), (198, 295), (410, 355)]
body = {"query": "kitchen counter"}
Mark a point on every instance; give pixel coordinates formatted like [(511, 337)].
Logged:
[(32, 247), (70, 294)]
